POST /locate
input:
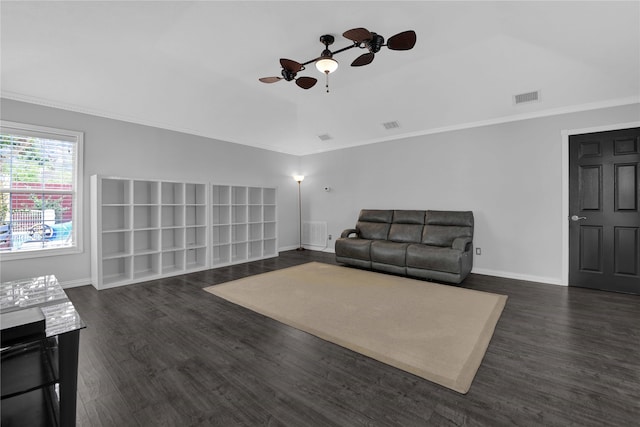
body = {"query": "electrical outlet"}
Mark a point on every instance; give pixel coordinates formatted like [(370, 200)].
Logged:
[(330, 237), (478, 251)]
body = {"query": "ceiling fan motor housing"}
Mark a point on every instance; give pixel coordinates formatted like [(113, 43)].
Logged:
[(288, 75), (375, 43)]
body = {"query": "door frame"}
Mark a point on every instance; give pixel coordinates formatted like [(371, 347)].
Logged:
[(564, 280)]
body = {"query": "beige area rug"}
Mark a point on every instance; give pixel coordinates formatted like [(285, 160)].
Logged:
[(436, 332)]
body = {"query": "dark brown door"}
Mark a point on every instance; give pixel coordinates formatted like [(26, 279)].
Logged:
[(604, 216)]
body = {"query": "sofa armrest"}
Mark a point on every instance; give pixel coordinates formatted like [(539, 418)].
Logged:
[(462, 243), (348, 232)]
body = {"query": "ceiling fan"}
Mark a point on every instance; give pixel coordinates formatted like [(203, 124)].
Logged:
[(361, 37)]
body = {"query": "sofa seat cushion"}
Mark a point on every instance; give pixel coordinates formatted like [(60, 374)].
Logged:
[(434, 258), (385, 252), (354, 248)]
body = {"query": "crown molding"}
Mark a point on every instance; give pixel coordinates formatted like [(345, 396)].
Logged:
[(462, 126)]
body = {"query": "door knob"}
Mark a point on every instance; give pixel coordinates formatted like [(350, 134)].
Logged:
[(577, 218)]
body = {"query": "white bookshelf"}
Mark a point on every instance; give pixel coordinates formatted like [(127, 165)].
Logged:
[(146, 229), (243, 224)]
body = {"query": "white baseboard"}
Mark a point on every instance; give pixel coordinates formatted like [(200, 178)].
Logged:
[(485, 271), (287, 248), (309, 247), (518, 276), (75, 283)]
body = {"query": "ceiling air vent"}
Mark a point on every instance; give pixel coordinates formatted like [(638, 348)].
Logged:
[(391, 125), (524, 98), (325, 137)]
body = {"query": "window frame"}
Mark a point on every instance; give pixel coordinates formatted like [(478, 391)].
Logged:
[(77, 196)]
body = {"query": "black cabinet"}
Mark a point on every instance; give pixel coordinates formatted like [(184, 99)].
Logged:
[(39, 376)]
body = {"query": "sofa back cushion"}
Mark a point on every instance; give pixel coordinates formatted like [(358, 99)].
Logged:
[(374, 224), (443, 227), (407, 226)]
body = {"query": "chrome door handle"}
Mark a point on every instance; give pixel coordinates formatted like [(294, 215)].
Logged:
[(577, 218)]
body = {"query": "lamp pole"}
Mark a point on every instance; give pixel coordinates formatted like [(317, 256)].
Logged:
[(299, 179)]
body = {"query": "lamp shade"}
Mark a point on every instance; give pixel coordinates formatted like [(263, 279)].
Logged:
[(327, 65), (298, 178)]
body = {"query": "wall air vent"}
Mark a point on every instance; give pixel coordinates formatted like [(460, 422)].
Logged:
[(325, 137), (391, 125), (525, 98)]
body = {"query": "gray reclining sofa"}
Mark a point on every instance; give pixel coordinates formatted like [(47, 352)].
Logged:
[(435, 245)]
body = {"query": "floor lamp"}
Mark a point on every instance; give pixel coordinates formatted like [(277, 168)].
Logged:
[(299, 179)]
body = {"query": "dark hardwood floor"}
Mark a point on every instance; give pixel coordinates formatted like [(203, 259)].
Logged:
[(168, 353)]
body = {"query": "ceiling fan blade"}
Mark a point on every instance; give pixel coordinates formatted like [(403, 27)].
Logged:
[(270, 79), (363, 59), (290, 65), (306, 82), (402, 41), (357, 34)]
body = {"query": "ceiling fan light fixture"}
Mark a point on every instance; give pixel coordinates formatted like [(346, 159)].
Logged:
[(327, 65)]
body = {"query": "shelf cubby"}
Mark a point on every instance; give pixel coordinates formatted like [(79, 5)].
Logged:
[(195, 215), (173, 261), (255, 249), (116, 218), (172, 193), (239, 233), (195, 194), (239, 252), (173, 238), (269, 230), (116, 244), (146, 266), (255, 213), (220, 234), (145, 192), (255, 196), (238, 214), (196, 257), (220, 195), (221, 214), (115, 192), (145, 216), (221, 254), (269, 248), (195, 236), (255, 231), (145, 241), (115, 270), (269, 214), (239, 195), (269, 196), (172, 216)]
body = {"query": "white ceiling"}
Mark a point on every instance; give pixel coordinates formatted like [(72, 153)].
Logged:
[(194, 66)]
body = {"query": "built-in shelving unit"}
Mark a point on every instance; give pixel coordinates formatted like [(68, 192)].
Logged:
[(243, 224), (145, 229)]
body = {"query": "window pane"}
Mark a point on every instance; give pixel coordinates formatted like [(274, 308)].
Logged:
[(37, 221), (36, 163)]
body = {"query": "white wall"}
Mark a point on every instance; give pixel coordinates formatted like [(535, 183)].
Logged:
[(117, 148), (509, 175)]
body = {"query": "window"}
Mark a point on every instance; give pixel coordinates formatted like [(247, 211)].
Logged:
[(40, 191)]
